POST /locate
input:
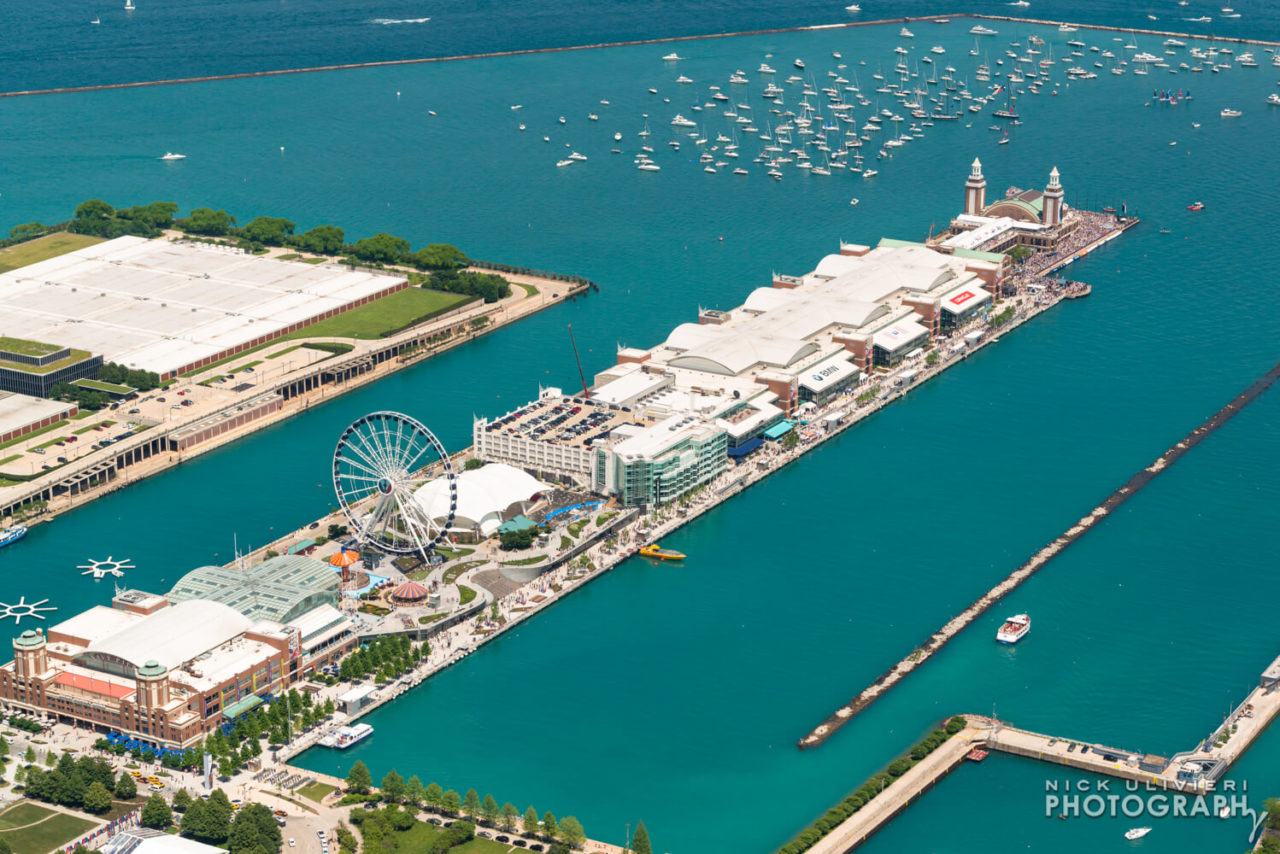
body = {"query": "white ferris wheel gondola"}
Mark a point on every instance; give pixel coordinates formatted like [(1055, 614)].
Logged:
[(380, 463)]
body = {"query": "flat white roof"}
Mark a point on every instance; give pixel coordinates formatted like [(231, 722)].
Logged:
[(19, 410), (627, 389), (158, 305), (900, 335), (964, 298), (827, 373)]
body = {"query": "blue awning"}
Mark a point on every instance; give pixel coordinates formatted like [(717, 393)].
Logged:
[(777, 431)]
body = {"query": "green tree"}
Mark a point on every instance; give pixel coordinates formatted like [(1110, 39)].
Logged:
[(434, 795), (414, 792), (93, 217), (207, 221), (359, 780), (29, 756), (27, 230), (126, 789), (472, 464), (489, 809), (271, 230), (193, 820), (450, 802), (381, 248), (640, 843), (97, 798), (156, 813), (517, 540), (549, 826), (182, 800), (4, 748), (790, 440), (1272, 806), (439, 256), (530, 823), (392, 787), (322, 240), (571, 831), (254, 831), (471, 803), (510, 815)]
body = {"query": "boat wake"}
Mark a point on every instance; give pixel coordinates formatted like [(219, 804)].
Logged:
[(389, 21)]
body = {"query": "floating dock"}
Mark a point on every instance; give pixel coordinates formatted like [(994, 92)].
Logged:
[(953, 627)]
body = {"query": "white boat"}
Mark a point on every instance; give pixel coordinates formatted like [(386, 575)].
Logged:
[(906, 34), (172, 155), (1228, 113), (870, 173), (799, 63), (346, 736), (1014, 629), (853, 203), (1273, 99), (854, 7), (766, 69), (128, 5), (617, 136), (681, 122), (979, 30), (684, 81), (96, 21), (672, 57), (576, 156), (565, 162), (11, 535), (648, 167), (1136, 833)]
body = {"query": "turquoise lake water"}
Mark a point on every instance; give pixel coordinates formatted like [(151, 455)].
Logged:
[(675, 695)]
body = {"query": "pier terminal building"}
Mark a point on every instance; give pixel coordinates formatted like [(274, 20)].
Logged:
[(167, 670), (667, 419)]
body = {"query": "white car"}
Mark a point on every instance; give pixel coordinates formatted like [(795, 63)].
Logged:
[(292, 842)]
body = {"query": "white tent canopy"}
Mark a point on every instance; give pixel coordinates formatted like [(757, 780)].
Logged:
[(487, 497)]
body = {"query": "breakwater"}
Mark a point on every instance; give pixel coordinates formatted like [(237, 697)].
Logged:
[(423, 60), (956, 624)]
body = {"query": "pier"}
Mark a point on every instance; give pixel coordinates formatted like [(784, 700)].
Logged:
[(839, 25), (1191, 772), (959, 622)]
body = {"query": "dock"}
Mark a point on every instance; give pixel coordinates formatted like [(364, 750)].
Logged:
[(1192, 772), (1038, 561)]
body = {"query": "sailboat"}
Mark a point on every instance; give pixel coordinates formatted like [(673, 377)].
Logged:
[(128, 5)]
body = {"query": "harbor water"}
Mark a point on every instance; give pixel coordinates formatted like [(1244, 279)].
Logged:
[(675, 694)]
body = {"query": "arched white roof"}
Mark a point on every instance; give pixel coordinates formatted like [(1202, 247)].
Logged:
[(687, 336), (485, 496), (836, 265), (767, 299), (171, 636), (732, 356)]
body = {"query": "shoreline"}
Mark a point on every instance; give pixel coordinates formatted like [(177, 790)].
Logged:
[(424, 60)]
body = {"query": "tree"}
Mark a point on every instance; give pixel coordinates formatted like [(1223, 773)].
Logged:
[(4, 748), (126, 789), (381, 248), (517, 540), (392, 787), (439, 256), (27, 230), (790, 440), (226, 767), (207, 221), (530, 823), (156, 813), (97, 798), (472, 464), (640, 843), (549, 826), (254, 831), (182, 801), (30, 756), (414, 792), (1272, 806), (322, 240), (450, 802), (472, 803), (571, 831), (434, 795), (359, 780), (193, 820), (509, 816), (146, 220), (271, 230), (489, 809), (93, 217)]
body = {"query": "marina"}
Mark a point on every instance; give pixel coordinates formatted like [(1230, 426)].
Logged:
[(706, 555)]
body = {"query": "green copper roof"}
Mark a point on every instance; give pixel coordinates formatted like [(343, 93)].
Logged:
[(152, 668), (29, 638)]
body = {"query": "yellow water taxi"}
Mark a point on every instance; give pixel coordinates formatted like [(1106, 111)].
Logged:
[(655, 551)]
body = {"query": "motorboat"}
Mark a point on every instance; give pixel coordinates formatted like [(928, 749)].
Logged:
[(1136, 833), (1014, 629), (653, 550), (173, 155)]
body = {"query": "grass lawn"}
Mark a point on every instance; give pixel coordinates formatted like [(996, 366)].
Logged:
[(315, 791), (529, 290), (421, 835), (383, 317), (431, 618), (10, 458), (453, 554), (525, 561), (93, 426), (51, 829), (109, 388), (277, 354), (43, 248), (465, 594), (575, 528), (54, 426)]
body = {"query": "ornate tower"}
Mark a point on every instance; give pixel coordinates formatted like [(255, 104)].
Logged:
[(975, 190), (1051, 213), (153, 687), (30, 656)]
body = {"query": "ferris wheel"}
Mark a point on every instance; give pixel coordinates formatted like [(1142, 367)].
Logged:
[(380, 462)]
